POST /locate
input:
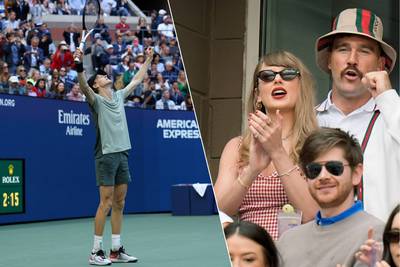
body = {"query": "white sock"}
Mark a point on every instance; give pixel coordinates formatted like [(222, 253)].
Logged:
[(97, 243), (115, 242)]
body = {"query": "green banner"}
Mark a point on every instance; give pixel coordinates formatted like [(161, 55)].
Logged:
[(12, 186)]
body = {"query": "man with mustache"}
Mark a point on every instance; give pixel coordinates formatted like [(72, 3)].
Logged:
[(332, 162), (363, 102)]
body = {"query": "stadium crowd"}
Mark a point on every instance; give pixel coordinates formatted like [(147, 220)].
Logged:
[(33, 64)]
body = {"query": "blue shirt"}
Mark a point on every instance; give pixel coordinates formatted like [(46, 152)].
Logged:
[(357, 206)]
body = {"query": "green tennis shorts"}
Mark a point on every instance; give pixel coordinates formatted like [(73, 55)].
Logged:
[(112, 169)]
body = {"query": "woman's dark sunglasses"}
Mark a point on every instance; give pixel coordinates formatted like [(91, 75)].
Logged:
[(392, 236), (313, 169), (286, 74)]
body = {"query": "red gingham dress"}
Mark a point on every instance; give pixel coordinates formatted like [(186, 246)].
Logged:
[(262, 202)]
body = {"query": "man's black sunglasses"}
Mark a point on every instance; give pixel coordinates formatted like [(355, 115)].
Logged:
[(392, 236), (313, 169), (286, 74)]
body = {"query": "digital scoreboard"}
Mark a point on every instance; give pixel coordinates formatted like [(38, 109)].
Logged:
[(12, 186)]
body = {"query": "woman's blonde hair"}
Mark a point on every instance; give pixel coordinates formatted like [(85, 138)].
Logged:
[(305, 119)]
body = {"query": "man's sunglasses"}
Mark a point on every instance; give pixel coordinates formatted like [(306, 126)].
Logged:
[(313, 169), (286, 74), (392, 236)]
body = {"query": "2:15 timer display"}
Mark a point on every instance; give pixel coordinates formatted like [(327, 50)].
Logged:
[(12, 176)]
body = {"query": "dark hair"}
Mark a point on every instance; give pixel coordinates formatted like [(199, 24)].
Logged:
[(387, 256), (93, 78), (257, 234), (324, 139)]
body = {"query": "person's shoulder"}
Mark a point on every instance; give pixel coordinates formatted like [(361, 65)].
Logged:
[(367, 218), (233, 144)]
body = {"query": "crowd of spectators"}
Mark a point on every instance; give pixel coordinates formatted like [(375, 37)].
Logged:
[(33, 64)]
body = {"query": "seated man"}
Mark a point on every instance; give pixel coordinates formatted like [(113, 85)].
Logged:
[(332, 163), (165, 102)]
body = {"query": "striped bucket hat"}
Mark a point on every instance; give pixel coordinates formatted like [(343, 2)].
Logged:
[(359, 22)]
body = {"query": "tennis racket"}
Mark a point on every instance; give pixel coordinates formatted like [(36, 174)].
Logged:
[(91, 14)]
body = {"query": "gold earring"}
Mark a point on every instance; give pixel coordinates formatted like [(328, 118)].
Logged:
[(259, 105)]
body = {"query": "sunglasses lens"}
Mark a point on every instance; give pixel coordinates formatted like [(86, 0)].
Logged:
[(334, 167), (289, 74), (313, 169), (267, 75), (392, 236)]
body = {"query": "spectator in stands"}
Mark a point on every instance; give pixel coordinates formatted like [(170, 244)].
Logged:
[(159, 18), (71, 37), (21, 9), (36, 11), (157, 61), (147, 42), (71, 78), (250, 245), (33, 55), (137, 48), (41, 87), (13, 52), (122, 8), (62, 8), (11, 23), (122, 28), (165, 54), (143, 30), (129, 73), (34, 74), (119, 47), (332, 162), (182, 83), (161, 84), (153, 24), (165, 102), (139, 60), (166, 28), (112, 57), (152, 72), (14, 87), (102, 29), (121, 68), (30, 88), (129, 52), (47, 7), (176, 94), (47, 45), (44, 68), (43, 29), (58, 92), (22, 75), (76, 6), (4, 76), (169, 73), (75, 94), (99, 54), (63, 57), (52, 81), (63, 74), (173, 47), (108, 6), (149, 96), (187, 104)]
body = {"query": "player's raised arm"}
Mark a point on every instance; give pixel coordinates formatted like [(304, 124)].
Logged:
[(83, 85), (138, 78)]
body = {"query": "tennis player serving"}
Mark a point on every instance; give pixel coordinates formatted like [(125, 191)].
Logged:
[(111, 154)]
